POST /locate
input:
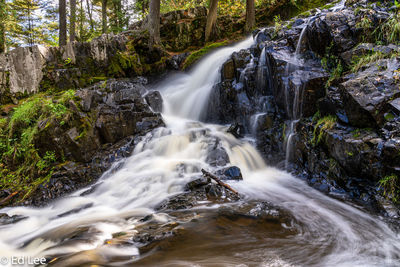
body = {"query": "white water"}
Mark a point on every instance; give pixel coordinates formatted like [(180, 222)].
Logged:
[(163, 162), (294, 105)]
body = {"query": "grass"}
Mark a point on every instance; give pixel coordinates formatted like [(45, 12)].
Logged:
[(197, 55), (22, 167), (323, 124), (391, 187), (360, 62)]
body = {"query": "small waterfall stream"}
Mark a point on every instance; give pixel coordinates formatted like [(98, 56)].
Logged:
[(294, 101), (324, 232)]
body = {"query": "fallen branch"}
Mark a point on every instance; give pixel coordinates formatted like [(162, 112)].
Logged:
[(5, 200), (215, 178)]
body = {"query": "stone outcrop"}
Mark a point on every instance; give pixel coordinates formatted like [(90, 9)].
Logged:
[(347, 130), (26, 70), (104, 123)]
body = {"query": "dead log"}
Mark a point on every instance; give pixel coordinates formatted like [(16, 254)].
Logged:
[(215, 178), (8, 198)]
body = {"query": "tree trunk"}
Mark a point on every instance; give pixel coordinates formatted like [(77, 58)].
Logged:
[(250, 16), (104, 15), (154, 23), (72, 22), (63, 22), (90, 16), (3, 16), (211, 19), (81, 18)]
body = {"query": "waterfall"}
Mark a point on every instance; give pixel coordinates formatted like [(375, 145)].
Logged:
[(294, 104), (188, 93), (79, 230)]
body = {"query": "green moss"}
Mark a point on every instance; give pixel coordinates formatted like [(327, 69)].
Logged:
[(389, 116), (124, 62), (391, 187), (323, 124), (195, 56), (360, 62), (22, 168)]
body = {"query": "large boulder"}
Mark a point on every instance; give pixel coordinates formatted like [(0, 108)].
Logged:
[(106, 114), (368, 94)]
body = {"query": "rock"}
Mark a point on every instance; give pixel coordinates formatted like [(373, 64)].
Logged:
[(237, 130), (228, 70), (334, 27), (95, 136), (23, 66), (230, 173), (368, 93), (367, 48)]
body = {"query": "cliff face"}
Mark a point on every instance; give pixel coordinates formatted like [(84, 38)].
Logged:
[(321, 95)]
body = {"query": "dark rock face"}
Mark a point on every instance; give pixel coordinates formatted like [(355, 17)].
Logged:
[(113, 114), (353, 140), (367, 93)]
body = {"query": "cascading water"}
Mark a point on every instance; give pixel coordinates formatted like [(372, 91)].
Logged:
[(76, 228), (293, 103)]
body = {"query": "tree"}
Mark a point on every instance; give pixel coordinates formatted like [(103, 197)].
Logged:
[(90, 16), (3, 16), (104, 15), (154, 23), (26, 30), (63, 22), (250, 16), (72, 22), (211, 19)]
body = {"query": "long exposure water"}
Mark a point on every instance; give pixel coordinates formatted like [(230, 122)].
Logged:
[(76, 229)]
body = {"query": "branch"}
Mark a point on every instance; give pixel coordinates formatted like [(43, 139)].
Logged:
[(215, 178)]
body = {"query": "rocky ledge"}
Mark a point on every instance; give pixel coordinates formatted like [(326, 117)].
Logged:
[(100, 127), (322, 94)]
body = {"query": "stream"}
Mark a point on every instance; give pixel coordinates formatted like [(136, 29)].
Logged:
[(76, 230)]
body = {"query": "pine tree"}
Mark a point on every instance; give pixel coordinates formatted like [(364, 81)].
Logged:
[(72, 21), (3, 16), (63, 22), (154, 23), (28, 19), (104, 15)]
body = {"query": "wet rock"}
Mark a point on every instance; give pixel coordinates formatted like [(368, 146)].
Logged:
[(334, 27), (367, 94), (230, 173), (99, 133), (228, 70), (368, 48), (237, 130), (217, 155)]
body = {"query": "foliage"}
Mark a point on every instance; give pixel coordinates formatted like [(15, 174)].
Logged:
[(22, 165), (391, 187), (368, 58), (323, 124), (333, 64), (195, 56), (277, 25), (384, 33)]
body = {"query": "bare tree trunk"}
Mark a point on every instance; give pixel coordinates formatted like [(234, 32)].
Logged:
[(250, 16), (211, 19), (90, 16), (3, 15), (63, 22), (81, 21), (104, 15), (154, 23), (72, 22)]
